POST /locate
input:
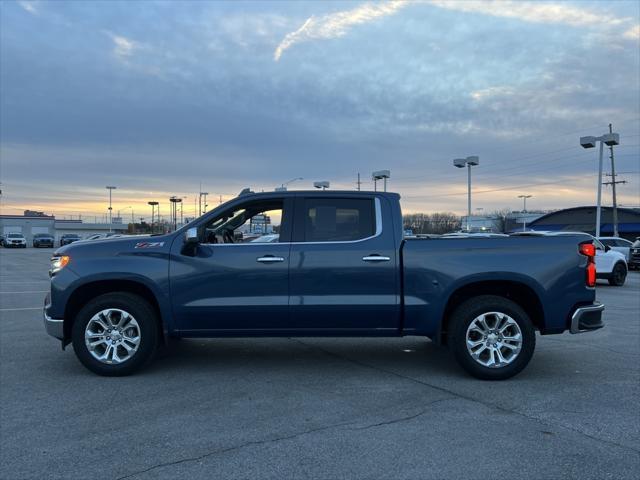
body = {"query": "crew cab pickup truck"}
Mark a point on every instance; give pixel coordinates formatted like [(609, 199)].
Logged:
[(340, 267)]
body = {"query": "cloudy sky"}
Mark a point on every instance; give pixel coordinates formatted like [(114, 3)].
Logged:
[(157, 98)]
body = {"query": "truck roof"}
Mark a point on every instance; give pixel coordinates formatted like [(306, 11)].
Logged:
[(247, 192)]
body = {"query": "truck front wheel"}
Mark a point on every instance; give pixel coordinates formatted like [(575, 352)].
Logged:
[(491, 337), (115, 334)]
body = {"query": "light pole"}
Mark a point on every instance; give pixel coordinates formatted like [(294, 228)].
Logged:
[(524, 210), (609, 139), (467, 162), (174, 210), (283, 187), (380, 175), (153, 209), (110, 188), (524, 202)]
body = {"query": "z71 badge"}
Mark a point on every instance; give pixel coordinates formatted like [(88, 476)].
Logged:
[(149, 244)]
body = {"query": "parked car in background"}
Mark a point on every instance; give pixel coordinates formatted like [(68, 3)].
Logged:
[(101, 236), (267, 238), (1, 240), (68, 238), (340, 267), (15, 240), (43, 240), (618, 244), (610, 265), (634, 255)]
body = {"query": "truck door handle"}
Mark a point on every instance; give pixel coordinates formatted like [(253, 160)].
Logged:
[(375, 258), (269, 259)]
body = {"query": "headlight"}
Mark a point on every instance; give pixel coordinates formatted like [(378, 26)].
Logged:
[(58, 263)]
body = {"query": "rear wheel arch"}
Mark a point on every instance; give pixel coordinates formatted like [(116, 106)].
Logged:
[(516, 291), (87, 292)]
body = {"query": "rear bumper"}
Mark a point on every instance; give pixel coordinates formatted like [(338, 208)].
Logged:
[(587, 318)]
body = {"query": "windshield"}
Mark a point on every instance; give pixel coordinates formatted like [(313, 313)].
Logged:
[(15, 235)]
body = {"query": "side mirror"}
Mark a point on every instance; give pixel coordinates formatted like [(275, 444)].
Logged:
[(607, 248), (191, 236)]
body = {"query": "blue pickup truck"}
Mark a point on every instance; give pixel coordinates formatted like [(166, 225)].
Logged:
[(324, 263)]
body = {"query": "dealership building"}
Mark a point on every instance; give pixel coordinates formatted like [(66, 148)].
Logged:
[(583, 219), (32, 223)]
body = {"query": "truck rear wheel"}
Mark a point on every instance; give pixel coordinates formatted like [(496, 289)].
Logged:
[(491, 337), (115, 334)]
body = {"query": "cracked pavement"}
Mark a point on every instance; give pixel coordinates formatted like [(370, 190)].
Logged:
[(315, 407)]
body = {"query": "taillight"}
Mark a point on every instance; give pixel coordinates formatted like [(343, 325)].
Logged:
[(589, 250)]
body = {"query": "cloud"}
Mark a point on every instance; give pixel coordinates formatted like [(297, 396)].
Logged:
[(542, 12), (633, 33), (336, 24), (29, 7), (123, 47)]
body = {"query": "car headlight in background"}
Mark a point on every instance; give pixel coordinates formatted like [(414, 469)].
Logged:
[(58, 263)]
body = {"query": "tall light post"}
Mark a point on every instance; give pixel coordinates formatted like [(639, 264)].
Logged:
[(153, 210), (524, 202), (467, 162), (524, 210), (174, 210), (380, 175), (283, 187), (110, 188), (609, 139)]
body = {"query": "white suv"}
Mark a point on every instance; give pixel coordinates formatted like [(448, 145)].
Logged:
[(15, 240)]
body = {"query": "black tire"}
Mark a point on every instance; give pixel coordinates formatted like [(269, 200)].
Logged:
[(618, 275), (466, 313), (144, 315)]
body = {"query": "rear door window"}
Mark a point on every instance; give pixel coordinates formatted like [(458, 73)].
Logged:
[(338, 220)]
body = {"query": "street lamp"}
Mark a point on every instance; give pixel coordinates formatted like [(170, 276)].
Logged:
[(110, 188), (380, 175), (524, 200), (174, 210), (467, 162), (609, 139), (153, 209), (323, 184), (283, 187)]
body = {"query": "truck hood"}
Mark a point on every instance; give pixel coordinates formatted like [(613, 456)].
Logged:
[(113, 246)]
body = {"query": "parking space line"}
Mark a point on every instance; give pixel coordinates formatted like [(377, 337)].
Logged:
[(29, 291), (19, 309)]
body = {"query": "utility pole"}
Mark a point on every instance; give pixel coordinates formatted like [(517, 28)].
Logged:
[(358, 182), (613, 188)]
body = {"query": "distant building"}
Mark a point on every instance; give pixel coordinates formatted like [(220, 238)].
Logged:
[(34, 213), (583, 219), (29, 225)]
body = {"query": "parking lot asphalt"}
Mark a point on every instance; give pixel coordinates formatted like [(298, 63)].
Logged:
[(315, 408)]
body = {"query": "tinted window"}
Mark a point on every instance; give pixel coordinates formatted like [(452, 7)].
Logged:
[(338, 220), (607, 241)]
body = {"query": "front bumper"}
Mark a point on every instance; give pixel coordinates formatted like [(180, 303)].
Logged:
[(587, 318), (53, 326)]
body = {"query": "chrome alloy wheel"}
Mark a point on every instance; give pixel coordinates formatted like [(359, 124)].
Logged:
[(112, 336), (494, 339)]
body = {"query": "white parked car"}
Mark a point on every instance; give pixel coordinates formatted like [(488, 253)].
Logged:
[(610, 264), (14, 240), (618, 244)]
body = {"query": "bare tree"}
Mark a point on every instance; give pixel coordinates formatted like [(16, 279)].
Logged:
[(438, 223), (500, 220)]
